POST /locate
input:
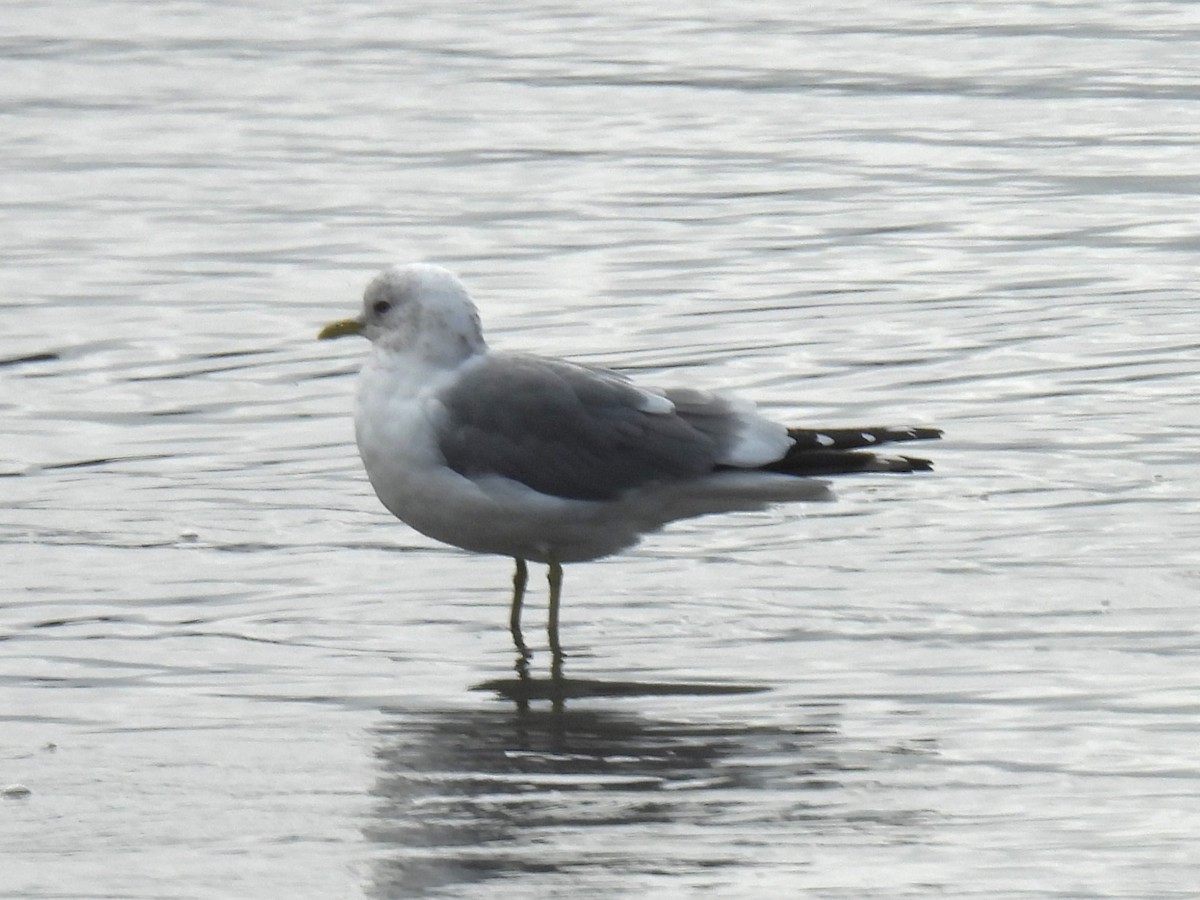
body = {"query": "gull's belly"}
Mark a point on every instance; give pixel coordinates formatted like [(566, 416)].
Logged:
[(496, 515)]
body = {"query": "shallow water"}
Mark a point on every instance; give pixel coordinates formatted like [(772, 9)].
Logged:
[(226, 671)]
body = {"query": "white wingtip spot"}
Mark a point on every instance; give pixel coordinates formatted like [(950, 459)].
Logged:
[(868, 437), (655, 404), (825, 440)]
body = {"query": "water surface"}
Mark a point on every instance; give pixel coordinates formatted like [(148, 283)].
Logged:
[(226, 671)]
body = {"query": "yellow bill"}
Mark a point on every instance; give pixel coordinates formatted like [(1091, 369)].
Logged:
[(340, 328)]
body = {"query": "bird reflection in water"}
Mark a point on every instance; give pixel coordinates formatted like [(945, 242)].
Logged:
[(466, 796), (558, 688)]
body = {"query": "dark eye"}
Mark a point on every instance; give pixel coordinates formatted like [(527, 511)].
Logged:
[(379, 307)]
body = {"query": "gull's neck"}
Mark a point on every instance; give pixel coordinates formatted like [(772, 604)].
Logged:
[(412, 372)]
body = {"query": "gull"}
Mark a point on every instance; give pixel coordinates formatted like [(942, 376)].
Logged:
[(549, 461)]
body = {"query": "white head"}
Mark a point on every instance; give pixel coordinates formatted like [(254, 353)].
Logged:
[(419, 309)]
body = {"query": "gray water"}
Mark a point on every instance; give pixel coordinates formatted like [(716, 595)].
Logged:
[(226, 671)]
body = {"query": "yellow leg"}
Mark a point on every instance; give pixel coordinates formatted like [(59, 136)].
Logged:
[(520, 577), (555, 577)]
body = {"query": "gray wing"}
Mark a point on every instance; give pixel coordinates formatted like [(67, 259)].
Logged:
[(566, 430)]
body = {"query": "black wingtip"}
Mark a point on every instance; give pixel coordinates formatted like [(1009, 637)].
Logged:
[(917, 464), (841, 451), (858, 438)]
